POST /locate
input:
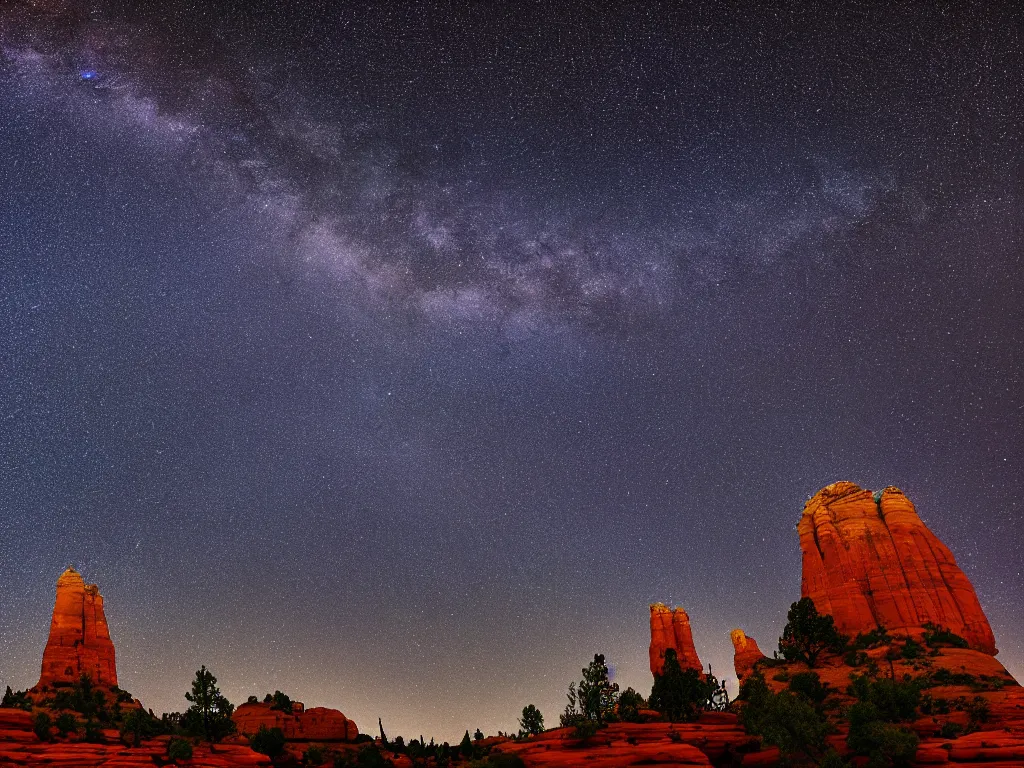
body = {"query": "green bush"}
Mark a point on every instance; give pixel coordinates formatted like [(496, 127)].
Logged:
[(809, 685), (16, 700), (680, 694), (66, 723), (873, 639), (937, 636), (314, 755), (268, 741), (784, 720), (912, 649), (895, 702), (41, 724), (950, 730), (630, 703), (179, 750), (882, 743)]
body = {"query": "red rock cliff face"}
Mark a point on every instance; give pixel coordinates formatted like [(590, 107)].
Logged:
[(79, 642), (746, 653), (871, 563), (315, 724), (671, 629)]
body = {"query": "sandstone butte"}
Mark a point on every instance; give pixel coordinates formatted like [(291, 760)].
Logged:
[(79, 642), (314, 724), (746, 653), (670, 628), (869, 561)]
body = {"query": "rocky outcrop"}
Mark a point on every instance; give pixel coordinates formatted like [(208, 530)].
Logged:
[(869, 561), (670, 628), (20, 746), (745, 653), (716, 739), (313, 724), (79, 642)]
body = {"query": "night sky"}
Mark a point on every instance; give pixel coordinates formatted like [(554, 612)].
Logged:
[(397, 356)]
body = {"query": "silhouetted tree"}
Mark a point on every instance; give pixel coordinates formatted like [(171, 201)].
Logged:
[(268, 741), (680, 694), (808, 634), (210, 713), (597, 695), (532, 721)]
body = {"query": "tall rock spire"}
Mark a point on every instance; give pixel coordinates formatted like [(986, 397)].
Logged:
[(869, 561), (79, 642), (670, 628)]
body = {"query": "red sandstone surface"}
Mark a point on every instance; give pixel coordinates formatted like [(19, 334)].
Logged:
[(314, 724), (745, 653), (670, 628), (19, 746), (871, 563), (79, 641), (715, 737)]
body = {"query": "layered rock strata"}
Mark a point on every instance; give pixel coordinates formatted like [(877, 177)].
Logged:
[(869, 561), (313, 724), (79, 642), (670, 628)]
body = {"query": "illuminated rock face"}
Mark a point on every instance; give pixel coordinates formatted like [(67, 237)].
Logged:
[(79, 642), (746, 653), (314, 724), (670, 628), (869, 560)]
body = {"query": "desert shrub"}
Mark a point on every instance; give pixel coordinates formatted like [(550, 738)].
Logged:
[(855, 658), (66, 723), (179, 750), (808, 634), (268, 741), (912, 649), (532, 721), (630, 703), (680, 694), (16, 700), (584, 729), (809, 685), (92, 733), (41, 724), (781, 677), (950, 730), (314, 755), (873, 639), (883, 743), (937, 636), (894, 701), (139, 725), (978, 713), (943, 676), (784, 720)]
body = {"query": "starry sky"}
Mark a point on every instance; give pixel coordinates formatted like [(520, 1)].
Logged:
[(398, 355)]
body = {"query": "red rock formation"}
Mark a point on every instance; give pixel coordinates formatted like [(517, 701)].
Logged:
[(671, 629), (871, 563), (746, 653), (79, 642), (314, 724), (716, 739)]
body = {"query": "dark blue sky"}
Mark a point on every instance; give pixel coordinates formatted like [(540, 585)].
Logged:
[(398, 358)]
